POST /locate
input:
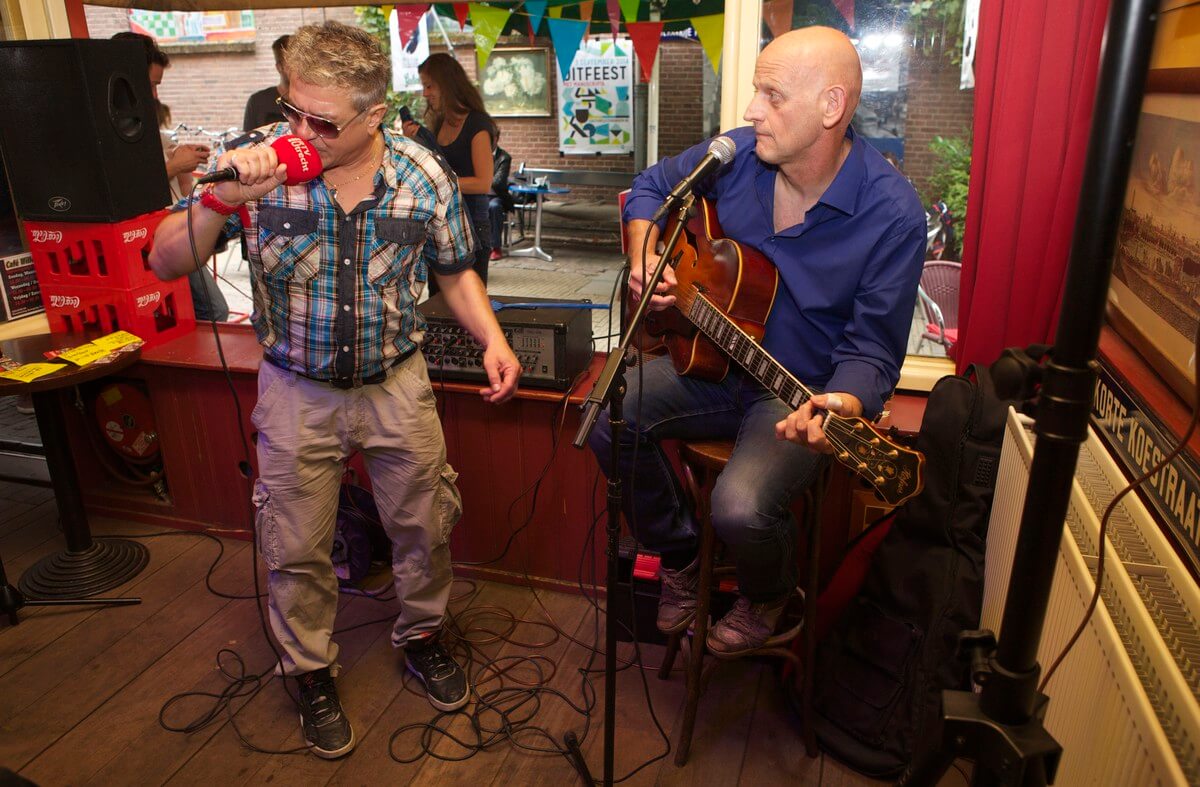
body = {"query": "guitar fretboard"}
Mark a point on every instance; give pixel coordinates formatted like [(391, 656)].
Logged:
[(746, 352)]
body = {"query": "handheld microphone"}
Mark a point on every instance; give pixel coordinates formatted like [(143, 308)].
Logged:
[(720, 152), (302, 162)]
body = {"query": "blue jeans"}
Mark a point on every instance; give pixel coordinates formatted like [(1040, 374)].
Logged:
[(496, 215), (752, 497)]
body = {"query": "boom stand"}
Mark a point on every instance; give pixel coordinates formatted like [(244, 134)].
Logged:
[(12, 600), (1001, 728), (610, 389)]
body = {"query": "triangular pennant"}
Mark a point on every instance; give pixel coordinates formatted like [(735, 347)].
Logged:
[(614, 16), (645, 37), (566, 34), (585, 11), (536, 10), (711, 32), (408, 19), (488, 21), (846, 7), (387, 12), (630, 9), (460, 12), (530, 27), (778, 16), (555, 11)]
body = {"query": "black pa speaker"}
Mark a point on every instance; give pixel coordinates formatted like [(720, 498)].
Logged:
[(79, 130)]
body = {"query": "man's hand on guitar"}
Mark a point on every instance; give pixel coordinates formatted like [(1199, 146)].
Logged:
[(662, 297), (806, 426)]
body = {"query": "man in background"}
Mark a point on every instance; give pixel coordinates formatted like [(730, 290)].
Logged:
[(261, 108)]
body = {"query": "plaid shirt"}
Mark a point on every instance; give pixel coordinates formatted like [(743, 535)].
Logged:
[(335, 294)]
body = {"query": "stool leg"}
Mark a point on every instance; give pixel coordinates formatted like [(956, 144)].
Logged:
[(695, 662), (812, 585)]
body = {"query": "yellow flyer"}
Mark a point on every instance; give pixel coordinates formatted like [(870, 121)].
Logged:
[(116, 340), (84, 354), (31, 371)]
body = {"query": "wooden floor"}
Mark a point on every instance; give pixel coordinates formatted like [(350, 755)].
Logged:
[(81, 689)]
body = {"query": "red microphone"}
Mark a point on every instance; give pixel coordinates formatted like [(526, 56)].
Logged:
[(302, 162)]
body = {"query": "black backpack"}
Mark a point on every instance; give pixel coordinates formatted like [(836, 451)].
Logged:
[(881, 669)]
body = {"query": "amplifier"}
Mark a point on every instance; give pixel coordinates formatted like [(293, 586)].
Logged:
[(553, 345)]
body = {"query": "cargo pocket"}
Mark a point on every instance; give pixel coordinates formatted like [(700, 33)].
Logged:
[(448, 503), (266, 526)]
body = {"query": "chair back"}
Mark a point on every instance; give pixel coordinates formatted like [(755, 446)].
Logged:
[(621, 198), (940, 282)]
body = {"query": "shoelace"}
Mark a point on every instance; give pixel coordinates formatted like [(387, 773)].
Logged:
[(741, 618), (433, 661), (321, 698)]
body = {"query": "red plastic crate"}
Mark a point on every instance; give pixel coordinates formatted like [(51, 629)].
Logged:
[(156, 313), (112, 255)]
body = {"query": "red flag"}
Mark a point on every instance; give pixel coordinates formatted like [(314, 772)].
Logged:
[(408, 17), (585, 13), (847, 9), (462, 11), (614, 17), (645, 37)]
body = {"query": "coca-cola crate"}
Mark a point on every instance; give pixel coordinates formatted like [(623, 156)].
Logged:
[(156, 313), (112, 255)]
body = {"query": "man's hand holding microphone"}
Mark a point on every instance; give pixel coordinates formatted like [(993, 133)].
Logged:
[(246, 174)]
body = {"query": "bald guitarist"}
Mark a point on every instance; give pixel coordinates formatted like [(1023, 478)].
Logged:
[(846, 233)]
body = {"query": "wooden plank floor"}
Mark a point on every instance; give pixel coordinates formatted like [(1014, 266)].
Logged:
[(81, 689)]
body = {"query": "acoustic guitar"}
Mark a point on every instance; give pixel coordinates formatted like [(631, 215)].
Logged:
[(724, 294)]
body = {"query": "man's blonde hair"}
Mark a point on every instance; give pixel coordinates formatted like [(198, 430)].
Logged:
[(337, 55)]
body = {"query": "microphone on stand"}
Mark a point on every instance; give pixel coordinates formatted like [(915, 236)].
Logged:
[(720, 152), (302, 162)]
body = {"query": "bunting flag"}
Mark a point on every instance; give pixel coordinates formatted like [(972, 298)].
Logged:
[(536, 10), (645, 37), (711, 32), (846, 7), (555, 11), (488, 22), (408, 19), (778, 16), (585, 13), (630, 9), (460, 11), (566, 34), (614, 16), (387, 12)]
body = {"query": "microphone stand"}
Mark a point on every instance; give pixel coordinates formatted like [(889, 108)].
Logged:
[(1001, 728), (610, 389)]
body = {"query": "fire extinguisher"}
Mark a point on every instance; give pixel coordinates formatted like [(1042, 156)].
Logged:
[(125, 420)]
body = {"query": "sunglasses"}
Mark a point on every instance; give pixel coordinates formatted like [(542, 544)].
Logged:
[(322, 127)]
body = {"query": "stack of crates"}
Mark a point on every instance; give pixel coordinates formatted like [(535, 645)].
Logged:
[(97, 276)]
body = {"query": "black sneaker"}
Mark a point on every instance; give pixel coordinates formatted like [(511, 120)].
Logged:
[(445, 682), (326, 728)]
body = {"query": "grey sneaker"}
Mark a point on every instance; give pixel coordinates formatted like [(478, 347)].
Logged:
[(326, 728), (446, 685), (677, 599), (745, 627)]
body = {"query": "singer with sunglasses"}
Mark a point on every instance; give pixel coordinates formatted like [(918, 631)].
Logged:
[(338, 264)]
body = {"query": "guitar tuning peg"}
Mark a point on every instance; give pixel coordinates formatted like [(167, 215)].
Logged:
[(843, 456), (880, 479), (892, 454)]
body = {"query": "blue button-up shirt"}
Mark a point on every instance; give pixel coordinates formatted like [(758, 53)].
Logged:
[(335, 294), (848, 273)]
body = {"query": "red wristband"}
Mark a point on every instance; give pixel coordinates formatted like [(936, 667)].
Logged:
[(215, 204)]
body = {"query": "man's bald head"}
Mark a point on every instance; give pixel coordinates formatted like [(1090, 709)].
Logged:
[(822, 58)]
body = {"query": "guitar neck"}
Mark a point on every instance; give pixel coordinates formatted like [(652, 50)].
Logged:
[(748, 354)]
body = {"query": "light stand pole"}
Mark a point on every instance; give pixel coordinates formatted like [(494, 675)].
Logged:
[(1001, 728)]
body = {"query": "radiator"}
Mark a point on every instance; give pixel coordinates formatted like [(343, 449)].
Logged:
[(1125, 705)]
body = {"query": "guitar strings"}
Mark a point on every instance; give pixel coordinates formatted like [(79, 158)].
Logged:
[(833, 421)]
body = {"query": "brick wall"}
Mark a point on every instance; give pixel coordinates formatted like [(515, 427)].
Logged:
[(936, 107)]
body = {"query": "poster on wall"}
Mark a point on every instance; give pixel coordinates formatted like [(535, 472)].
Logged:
[(194, 27), (595, 106)]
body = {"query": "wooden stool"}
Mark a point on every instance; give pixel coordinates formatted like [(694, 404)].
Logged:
[(702, 461)]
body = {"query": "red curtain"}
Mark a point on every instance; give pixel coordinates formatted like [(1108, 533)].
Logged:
[(1035, 77)]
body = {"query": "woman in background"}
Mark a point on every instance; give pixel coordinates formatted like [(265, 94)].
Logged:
[(465, 135)]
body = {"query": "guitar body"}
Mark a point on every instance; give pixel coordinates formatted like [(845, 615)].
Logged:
[(739, 280)]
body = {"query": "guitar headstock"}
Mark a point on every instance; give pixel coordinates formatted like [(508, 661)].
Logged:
[(896, 472)]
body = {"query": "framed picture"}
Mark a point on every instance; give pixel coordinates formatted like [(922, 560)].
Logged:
[(516, 83), (1154, 294)]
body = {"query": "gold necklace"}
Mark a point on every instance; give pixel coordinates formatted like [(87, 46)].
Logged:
[(333, 189)]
